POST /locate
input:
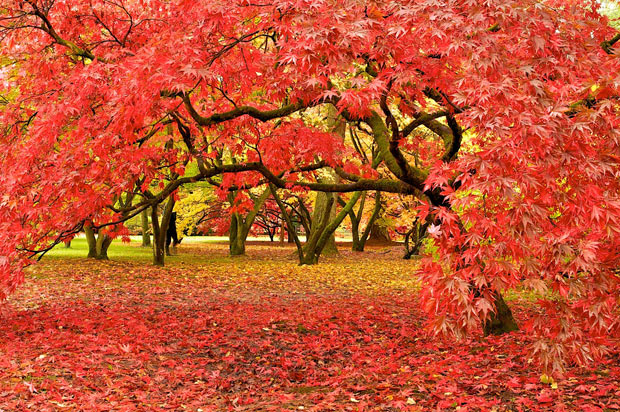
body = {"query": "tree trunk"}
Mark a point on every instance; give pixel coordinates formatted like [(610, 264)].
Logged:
[(146, 237), (171, 234), (324, 228), (236, 236), (356, 219), (319, 224), (282, 229), (289, 235), (158, 253), (323, 202), (309, 258), (92, 242), (97, 244), (333, 225), (240, 226), (414, 239), (103, 243), (159, 231), (359, 241), (379, 234), (502, 320), (357, 246), (338, 126)]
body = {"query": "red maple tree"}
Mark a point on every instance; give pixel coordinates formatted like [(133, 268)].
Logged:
[(500, 116)]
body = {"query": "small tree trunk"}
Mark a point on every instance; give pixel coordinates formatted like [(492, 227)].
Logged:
[(146, 237), (338, 127), (330, 229), (159, 231), (103, 243), (502, 320), (97, 244), (414, 239), (359, 240), (317, 239), (289, 234), (240, 226), (408, 247), (356, 219), (282, 229), (92, 242), (376, 211), (237, 246), (236, 241), (68, 244), (158, 253), (379, 234), (324, 206), (319, 224), (357, 246)]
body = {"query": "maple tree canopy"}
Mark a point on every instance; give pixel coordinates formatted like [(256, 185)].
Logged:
[(501, 116)]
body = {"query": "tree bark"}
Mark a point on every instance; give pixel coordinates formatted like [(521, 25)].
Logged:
[(379, 234), (240, 226), (97, 244), (325, 205), (158, 254), (289, 235), (159, 231), (338, 126), (317, 239), (502, 320), (103, 243), (282, 229), (414, 239), (333, 225), (92, 242), (359, 240), (236, 236), (319, 224), (356, 219), (146, 237)]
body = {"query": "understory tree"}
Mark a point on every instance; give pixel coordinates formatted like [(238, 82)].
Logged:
[(360, 239), (144, 224), (98, 243), (269, 220), (241, 223), (160, 229), (322, 230)]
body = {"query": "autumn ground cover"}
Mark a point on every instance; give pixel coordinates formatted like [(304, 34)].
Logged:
[(209, 333)]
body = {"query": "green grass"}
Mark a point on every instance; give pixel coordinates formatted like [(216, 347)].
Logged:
[(118, 249)]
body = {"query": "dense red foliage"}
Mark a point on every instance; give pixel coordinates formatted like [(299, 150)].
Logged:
[(537, 205)]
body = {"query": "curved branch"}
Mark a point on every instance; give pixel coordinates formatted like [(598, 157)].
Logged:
[(242, 111)]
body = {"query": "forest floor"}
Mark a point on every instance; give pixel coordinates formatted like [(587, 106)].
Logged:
[(260, 333)]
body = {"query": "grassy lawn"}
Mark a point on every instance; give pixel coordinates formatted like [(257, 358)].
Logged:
[(121, 250)]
